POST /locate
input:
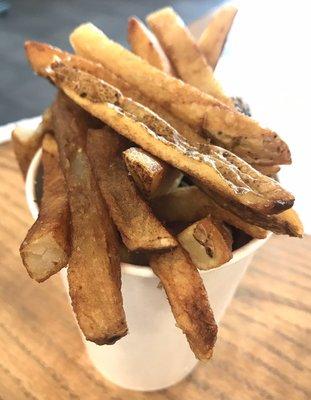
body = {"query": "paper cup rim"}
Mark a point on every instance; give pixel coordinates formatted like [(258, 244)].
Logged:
[(131, 269)]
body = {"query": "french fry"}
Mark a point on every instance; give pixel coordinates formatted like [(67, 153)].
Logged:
[(286, 222), (139, 228), (183, 52), (224, 125), (27, 141), (189, 204), (269, 171), (188, 299), (46, 248), (214, 36), (94, 266), (145, 45), (218, 169), (152, 176), (41, 56), (208, 243)]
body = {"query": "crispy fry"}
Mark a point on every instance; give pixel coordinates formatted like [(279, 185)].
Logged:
[(152, 176), (46, 247), (41, 56), (27, 141), (189, 204), (139, 228), (145, 45), (269, 171), (226, 126), (208, 243), (286, 222), (218, 169), (188, 299), (214, 36), (94, 266), (183, 52)]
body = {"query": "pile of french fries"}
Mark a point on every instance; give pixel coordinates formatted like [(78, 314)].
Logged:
[(146, 157)]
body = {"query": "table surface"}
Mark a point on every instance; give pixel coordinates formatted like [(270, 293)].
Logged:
[(263, 350)]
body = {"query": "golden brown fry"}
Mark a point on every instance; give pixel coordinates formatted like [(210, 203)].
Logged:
[(284, 223), (145, 45), (188, 299), (189, 204), (224, 125), (41, 56), (214, 36), (94, 266), (27, 141), (218, 169), (139, 228), (46, 247), (152, 176), (183, 52), (208, 243), (269, 171)]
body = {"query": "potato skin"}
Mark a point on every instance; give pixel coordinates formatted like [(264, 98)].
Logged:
[(46, 247)]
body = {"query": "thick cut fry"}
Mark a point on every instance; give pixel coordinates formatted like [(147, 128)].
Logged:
[(46, 247), (27, 141), (139, 228), (152, 176), (286, 222), (94, 266), (213, 38), (189, 204), (219, 169), (183, 52), (226, 126), (41, 56), (188, 299), (145, 45), (208, 243), (269, 171)]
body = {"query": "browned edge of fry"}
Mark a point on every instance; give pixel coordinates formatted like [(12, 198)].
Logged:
[(188, 299), (145, 45), (182, 50), (46, 247), (213, 39), (208, 243), (139, 228), (190, 204), (152, 176)]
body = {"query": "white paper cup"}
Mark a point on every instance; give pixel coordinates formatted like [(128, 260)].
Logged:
[(155, 354)]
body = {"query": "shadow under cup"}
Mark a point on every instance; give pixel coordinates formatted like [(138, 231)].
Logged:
[(155, 354)]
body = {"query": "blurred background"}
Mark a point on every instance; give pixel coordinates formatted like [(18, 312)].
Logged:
[(21, 93)]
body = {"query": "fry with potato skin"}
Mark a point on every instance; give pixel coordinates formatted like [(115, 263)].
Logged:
[(183, 52), (224, 125), (284, 223), (46, 247), (145, 45), (139, 228), (189, 204), (269, 170), (214, 36), (188, 299), (217, 168), (42, 55), (208, 243), (152, 176), (27, 141), (94, 266)]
